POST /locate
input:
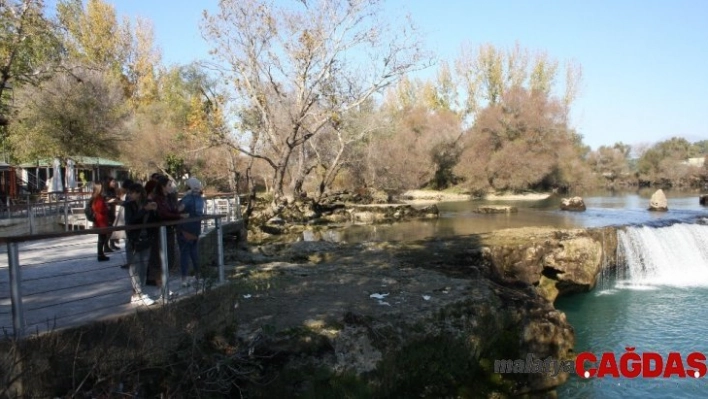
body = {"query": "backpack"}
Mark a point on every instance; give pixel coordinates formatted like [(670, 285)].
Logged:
[(88, 211)]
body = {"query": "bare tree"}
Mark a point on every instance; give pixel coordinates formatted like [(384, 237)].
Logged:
[(519, 143), (487, 72), (301, 66), (332, 150)]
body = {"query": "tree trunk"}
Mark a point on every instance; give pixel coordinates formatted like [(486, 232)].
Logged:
[(300, 176), (279, 177), (231, 178), (331, 172)]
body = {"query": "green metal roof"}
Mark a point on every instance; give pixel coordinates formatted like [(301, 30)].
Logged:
[(80, 160)]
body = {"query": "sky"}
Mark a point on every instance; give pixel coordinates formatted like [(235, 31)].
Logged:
[(645, 62)]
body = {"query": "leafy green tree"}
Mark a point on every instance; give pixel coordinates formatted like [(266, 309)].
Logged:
[(610, 162), (666, 164), (143, 66), (93, 35), (29, 49), (177, 132), (701, 147), (72, 113)]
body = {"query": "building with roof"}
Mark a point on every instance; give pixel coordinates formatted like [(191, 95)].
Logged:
[(75, 173), (8, 182)]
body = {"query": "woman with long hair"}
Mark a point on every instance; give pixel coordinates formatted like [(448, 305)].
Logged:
[(101, 218), (166, 210), (120, 221), (138, 210)]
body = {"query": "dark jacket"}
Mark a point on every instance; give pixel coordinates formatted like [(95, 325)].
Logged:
[(165, 210), (135, 215)]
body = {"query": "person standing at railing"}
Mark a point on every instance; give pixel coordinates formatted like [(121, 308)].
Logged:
[(166, 211), (192, 205), (100, 209), (120, 220), (170, 192), (138, 210), (111, 195), (154, 263)]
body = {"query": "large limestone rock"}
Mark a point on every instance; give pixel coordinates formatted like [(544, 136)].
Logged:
[(575, 263), (572, 204), (555, 262), (658, 202)]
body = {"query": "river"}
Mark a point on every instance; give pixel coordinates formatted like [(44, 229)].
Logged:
[(459, 218), (654, 302)]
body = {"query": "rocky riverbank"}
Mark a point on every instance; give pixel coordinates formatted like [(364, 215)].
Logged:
[(319, 319), (426, 298), (368, 303), (402, 319)]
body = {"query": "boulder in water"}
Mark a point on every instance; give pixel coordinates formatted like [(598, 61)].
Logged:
[(703, 199), (573, 204), (658, 201)]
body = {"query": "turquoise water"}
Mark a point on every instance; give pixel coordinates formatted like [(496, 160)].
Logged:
[(655, 303), (662, 320)]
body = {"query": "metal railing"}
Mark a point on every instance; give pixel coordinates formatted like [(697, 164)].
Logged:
[(223, 206), (27, 216), (52, 284)]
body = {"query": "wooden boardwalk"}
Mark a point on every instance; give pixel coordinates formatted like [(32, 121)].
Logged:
[(63, 285)]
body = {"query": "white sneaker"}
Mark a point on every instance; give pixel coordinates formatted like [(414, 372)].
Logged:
[(135, 299), (170, 296)]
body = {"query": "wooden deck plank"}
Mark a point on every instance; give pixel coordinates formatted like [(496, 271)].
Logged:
[(63, 285)]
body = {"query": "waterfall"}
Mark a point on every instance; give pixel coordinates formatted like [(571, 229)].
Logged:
[(606, 279), (675, 255)]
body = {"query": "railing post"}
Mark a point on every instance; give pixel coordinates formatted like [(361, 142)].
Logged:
[(163, 262), (30, 216), (18, 317), (66, 214), (238, 208), (220, 249)]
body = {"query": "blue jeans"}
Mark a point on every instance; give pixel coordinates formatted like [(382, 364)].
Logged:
[(188, 250), (138, 270)]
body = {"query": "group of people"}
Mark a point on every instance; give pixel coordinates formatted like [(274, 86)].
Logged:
[(135, 204)]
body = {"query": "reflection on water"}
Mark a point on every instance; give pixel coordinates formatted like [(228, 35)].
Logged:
[(459, 218)]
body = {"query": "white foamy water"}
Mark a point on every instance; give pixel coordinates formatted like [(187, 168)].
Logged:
[(675, 256)]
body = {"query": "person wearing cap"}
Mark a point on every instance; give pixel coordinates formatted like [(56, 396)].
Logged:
[(192, 204)]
